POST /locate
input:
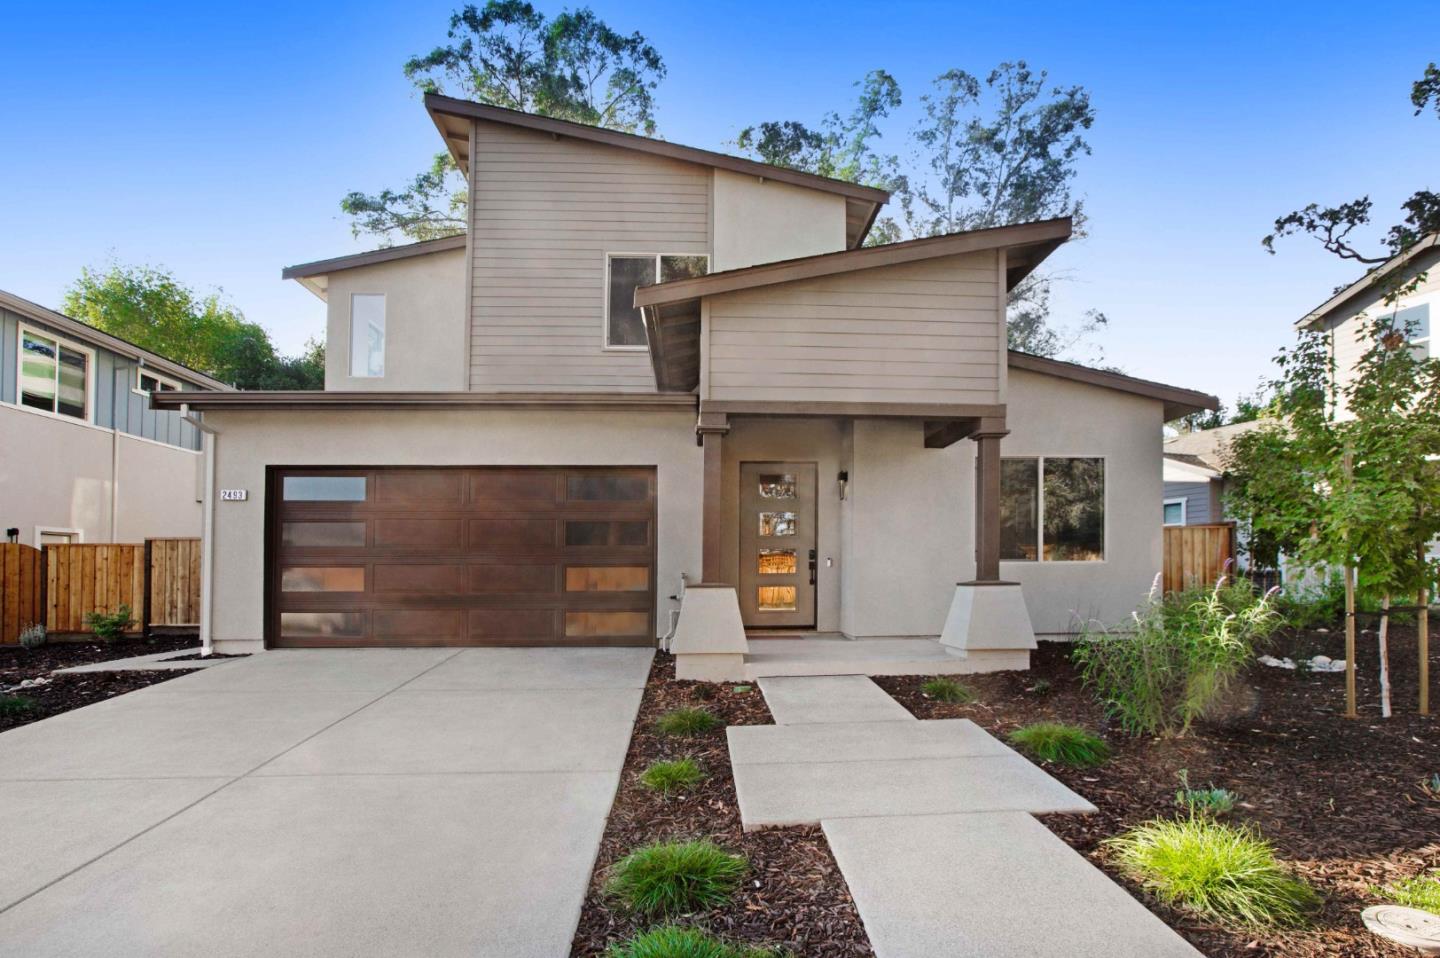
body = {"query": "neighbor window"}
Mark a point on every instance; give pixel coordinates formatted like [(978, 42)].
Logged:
[(624, 328), (148, 383), (367, 334), (54, 375), (1174, 512), (1052, 509), (1414, 322)]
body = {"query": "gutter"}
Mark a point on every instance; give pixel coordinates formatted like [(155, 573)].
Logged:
[(209, 435)]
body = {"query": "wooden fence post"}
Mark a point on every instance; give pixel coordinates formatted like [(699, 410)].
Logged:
[(145, 603)]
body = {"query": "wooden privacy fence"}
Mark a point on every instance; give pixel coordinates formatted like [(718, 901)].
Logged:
[(1196, 555), (159, 580), (20, 579)]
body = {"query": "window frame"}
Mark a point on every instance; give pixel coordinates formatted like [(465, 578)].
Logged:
[(605, 344), (1183, 503), (1040, 512), (140, 371), (42, 531), (90, 354), (350, 339)]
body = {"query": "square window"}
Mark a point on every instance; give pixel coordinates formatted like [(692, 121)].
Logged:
[(1174, 512), (776, 562), (777, 523), (776, 598), (777, 487)]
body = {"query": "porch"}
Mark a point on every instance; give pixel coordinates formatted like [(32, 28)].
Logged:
[(834, 654)]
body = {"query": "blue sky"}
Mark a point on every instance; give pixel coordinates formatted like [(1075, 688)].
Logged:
[(217, 141)]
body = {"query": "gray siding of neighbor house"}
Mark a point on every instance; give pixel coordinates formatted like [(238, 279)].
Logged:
[(915, 332), (116, 403), (1197, 501), (544, 214)]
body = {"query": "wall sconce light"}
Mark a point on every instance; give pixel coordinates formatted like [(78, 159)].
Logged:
[(844, 480), (13, 533)]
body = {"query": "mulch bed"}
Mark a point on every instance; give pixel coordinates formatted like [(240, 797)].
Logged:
[(794, 897), (1342, 800), (65, 692)]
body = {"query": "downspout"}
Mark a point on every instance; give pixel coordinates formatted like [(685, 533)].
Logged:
[(208, 436), (114, 484)]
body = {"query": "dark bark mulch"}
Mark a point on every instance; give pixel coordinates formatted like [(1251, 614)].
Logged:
[(18, 664), (66, 692), (794, 896), (1342, 800)]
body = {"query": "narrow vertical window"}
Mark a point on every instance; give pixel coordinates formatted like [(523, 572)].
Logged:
[(624, 328), (367, 334)]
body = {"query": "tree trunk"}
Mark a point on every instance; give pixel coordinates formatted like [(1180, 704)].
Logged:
[(1385, 657), (1422, 640), (1350, 711)]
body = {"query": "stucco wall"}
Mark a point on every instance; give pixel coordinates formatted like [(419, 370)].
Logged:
[(763, 221), (57, 473), (250, 441), (425, 336)]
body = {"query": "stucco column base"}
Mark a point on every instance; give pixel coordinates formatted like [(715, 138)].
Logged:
[(987, 616), (709, 642)]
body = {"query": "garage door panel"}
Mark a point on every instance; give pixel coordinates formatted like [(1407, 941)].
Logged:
[(463, 556), (429, 535), (418, 578)]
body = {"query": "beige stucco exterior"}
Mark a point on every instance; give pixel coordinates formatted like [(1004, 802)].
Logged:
[(425, 341), (66, 475), (248, 442), (761, 221)]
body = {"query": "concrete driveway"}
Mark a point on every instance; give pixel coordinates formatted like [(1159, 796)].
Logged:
[(339, 802)]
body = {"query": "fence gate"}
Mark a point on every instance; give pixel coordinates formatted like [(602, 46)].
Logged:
[(1196, 555)]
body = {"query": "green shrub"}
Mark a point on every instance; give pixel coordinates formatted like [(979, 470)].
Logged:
[(1319, 605), (1224, 873), (674, 941), (1422, 891), (15, 704), (669, 878), (1204, 801), (32, 636), (1183, 653), (673, 776), (687, 721), (1061, 744), (110, 626), (943, 689)]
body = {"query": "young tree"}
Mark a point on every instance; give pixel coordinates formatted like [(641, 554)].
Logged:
[(572, 66), (152, 309)]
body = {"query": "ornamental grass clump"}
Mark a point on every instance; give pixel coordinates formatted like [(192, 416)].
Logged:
[(671, 878), (687, 721), (942, 689), (678, 775), (1221, 872), (1182, 655), (675, 941), (16, 704), (1422, 892), (1061, 744)]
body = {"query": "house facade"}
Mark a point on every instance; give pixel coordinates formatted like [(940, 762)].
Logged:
[(656, 391), (87, 459)]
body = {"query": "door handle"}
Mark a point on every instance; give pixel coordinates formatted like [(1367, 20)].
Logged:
[(812, 566)]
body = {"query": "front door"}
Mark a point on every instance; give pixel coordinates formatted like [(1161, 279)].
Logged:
[(777, 544)]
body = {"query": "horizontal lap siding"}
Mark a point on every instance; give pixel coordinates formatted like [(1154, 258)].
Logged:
[(545, 212), (918, 332)]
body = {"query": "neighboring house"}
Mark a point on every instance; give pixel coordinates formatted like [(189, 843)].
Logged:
[(1195, 474), (86, 459), (645, 362), (1343, 316)]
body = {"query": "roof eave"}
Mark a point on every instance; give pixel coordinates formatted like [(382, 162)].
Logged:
[(1323, 312), (1177, 402)]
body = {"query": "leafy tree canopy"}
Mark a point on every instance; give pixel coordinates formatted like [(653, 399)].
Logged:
[(152, 309), (572, 66)]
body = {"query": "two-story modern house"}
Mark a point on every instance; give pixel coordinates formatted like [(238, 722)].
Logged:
[(647, 368), (85, 457)]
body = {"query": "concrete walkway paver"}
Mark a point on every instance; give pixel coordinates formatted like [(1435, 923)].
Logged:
[(320, 803), (860, 741), (997, 885), (154, 662), (803, 700)]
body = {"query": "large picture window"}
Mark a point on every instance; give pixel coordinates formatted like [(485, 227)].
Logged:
[(624, 327), (54, 375), (1052, 509)]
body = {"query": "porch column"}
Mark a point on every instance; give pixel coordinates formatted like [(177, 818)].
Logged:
[(709, 642), (710, 430), (987, 500)]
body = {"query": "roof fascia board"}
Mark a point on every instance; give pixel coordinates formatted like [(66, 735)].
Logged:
[(387, 254), (337, 399), (1321, 313)]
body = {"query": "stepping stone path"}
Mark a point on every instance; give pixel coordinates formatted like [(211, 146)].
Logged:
[(931, 825)]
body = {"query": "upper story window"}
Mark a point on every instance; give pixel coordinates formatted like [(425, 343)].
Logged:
[(1052, 509), (54, 374), (624, 328), (367, 334), (147, 382), (1174, 512), (1414, 322)]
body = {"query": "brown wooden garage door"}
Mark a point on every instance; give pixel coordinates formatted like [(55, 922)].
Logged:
[(461, 556)]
